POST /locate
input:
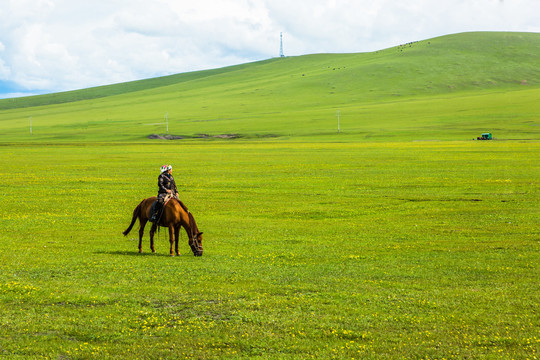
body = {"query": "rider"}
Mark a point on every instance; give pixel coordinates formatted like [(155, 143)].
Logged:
[(167, 189)]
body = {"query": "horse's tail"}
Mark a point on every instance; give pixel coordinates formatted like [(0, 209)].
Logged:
[(136, 213)]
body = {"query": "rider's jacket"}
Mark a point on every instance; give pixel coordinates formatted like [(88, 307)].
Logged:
[(166, 182)]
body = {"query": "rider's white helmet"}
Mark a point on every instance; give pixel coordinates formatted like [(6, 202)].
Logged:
[(166, 168)]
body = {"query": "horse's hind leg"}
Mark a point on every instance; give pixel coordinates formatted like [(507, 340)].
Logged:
[(152, 232), (141, 233)]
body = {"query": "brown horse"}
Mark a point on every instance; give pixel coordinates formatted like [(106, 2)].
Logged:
[(175, 215)]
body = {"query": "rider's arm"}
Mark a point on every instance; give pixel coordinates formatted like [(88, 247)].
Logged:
[(161, 185)]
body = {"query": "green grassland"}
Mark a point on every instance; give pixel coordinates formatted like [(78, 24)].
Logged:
[(398, 238)]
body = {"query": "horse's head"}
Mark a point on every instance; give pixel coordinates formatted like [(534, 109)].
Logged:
[(196, 237), (196, 244)]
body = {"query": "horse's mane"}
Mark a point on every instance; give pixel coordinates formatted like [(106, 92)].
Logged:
[(194, 228), (182, 205)]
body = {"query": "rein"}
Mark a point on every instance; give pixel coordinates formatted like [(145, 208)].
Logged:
[(194, 230)]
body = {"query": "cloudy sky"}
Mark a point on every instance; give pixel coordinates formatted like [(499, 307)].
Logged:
[(57, 45)]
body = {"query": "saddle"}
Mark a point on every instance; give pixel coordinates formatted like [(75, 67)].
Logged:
[(156, 210)]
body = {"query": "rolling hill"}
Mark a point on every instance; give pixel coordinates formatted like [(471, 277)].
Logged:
[(450, 87)]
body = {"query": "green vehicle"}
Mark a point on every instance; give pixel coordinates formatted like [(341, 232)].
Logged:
[(485, 136)]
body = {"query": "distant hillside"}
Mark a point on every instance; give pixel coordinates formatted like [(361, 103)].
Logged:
[(104, 91), (404, 88), (448, 63)]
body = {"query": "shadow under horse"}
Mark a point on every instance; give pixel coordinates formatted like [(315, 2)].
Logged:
[(174, 216)]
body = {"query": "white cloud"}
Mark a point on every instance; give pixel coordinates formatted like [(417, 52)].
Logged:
[(5, 72), (54, 45)]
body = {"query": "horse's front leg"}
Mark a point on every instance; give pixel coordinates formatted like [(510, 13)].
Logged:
[(152, 232), (171, 238), (176, 239)]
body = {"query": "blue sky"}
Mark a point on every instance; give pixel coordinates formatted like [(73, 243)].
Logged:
[(8, 87), (59, 45)]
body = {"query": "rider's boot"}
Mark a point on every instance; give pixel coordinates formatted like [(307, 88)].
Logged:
[(155, 214)]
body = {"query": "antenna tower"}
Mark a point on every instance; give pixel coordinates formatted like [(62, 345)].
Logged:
[(281, 45)]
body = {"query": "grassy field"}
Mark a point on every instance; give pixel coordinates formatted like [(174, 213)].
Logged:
[(398, 238), (362, 250)]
